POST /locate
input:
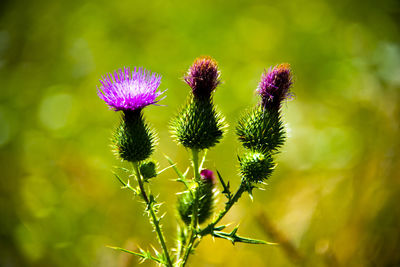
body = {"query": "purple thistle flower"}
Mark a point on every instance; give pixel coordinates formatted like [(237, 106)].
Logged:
[(203, 77), (274, 86), (126, 90), (207, 176)]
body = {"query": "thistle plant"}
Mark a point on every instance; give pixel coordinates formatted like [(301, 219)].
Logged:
[(198, 126)]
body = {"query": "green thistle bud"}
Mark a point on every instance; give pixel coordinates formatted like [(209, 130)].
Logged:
[(134, 140), (255, 167), (198, 125), (148, 169), (261, 130), (206, 199)]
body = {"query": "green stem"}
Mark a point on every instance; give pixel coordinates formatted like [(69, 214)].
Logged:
[(208, 229), (181, 242), (188, 250), (153, 215), (194, 221), (195, 159), (140, 182)]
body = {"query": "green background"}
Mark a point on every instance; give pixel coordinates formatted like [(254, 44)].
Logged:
[(335, 193)]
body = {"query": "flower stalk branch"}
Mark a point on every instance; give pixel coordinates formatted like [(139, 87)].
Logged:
[(210, 228), (194, 222), (154, 218)]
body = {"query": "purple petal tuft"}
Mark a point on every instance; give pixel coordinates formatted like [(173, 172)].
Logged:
[(203, 77), (275, 85), (126, 90)]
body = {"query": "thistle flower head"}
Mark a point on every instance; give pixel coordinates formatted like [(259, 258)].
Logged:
[(203, 77), (126, 90), (207, 176), (274, 85)]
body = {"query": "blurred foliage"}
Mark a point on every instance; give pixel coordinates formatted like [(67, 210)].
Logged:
[(334, 198)]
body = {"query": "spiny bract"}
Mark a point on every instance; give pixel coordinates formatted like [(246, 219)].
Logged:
[(198, 125), (134, 140), (261, 130), (255, 167)]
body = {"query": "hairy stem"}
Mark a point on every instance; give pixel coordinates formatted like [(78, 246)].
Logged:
[(188, 250), (181, 242), (195, 211), (209, 228), (194, 221), (154, 218), (140, 182), (195, 161)]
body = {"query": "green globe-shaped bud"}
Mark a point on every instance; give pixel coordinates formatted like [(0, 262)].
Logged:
[(148, 169), (134, 140), (198, 125), (206, 199), (261, 130), (255, 167)]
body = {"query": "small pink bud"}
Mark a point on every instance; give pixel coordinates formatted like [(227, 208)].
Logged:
[(207, 176)]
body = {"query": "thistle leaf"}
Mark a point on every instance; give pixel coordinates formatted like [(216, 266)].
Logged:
[(144, 255), (126, 185), (181, 176), (219, 228), (226, 191), (233, 237), (173, 165), (123, 169)]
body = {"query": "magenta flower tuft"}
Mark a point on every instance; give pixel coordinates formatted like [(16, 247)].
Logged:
[(207, 176), (274, 86), (203, 77), (126, 90)]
